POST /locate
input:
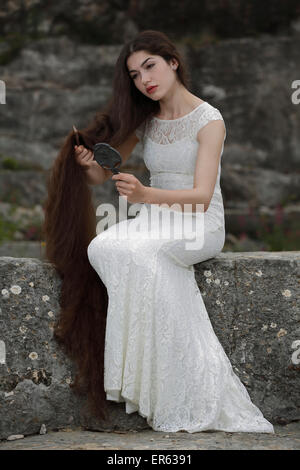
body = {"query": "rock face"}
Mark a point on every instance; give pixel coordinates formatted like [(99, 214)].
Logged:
[(111, 21), (55, 82), (251, 299)]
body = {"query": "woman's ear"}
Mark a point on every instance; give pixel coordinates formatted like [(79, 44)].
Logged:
[(174, 65)]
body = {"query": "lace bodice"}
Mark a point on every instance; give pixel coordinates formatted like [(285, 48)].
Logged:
[(170, 149)]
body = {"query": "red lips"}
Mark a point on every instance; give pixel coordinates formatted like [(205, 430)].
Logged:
[(151, 88)]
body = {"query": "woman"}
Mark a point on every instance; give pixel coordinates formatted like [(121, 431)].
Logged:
[(159, 353)]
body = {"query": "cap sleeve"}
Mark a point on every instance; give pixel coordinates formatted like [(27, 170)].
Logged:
[(211, 114)]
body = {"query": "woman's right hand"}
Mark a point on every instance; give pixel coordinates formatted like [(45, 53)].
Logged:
[(84, 157)]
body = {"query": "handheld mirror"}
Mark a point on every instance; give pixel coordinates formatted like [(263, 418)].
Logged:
[(108, 157)]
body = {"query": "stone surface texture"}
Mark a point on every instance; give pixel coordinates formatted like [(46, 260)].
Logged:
[(253, 303)]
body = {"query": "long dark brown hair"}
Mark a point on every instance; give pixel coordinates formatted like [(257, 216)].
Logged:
[(70, 220)]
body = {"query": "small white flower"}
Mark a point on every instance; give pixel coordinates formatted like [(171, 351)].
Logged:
[(208, 280), (235, 327), (36, 308), (217, 281), (273, 325), (15, 289), (264, 327), (28, 317), (68, 380), (269, 350), (23, 329), (31, 284), (5, 293), (207, 273), (33, 355), (281, 332), (218, 302), (45, 298), (286, 293), (258, 273), (50, 314), (226, 283), (251, 292)]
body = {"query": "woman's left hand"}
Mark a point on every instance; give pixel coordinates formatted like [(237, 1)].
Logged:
[(128, 185)]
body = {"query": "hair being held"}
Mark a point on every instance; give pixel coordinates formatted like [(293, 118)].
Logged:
[(70, 220)]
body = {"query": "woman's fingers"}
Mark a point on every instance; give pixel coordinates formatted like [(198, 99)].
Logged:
[(83, 155), (86, 155)]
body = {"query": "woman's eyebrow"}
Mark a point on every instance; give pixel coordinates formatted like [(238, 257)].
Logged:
[(141, 64)]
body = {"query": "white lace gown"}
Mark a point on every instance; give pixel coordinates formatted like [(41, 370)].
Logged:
[(162, 357)]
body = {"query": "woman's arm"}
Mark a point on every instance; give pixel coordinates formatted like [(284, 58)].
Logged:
[(180, 197)]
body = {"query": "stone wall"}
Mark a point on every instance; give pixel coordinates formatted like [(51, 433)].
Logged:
[(55, 82), (252, 300)]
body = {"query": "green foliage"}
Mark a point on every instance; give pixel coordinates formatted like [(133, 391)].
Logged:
[(289, 199), (278, 233), (7, 230), (15, 44), (29, 229), (281, 237), (11, 163)]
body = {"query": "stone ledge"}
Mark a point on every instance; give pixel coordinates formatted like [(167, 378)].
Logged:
[(251, 299)]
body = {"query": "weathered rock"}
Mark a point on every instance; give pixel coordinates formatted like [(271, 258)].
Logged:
[(253, 303), (22, 249), (261, 154), (15, 437), (253, 88)]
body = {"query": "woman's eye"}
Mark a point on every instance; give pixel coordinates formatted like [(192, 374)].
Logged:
[(134, 76)]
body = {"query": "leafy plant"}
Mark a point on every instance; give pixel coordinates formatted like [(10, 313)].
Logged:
[(279, 236)]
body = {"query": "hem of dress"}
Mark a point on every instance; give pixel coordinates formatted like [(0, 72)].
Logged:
[(132, 407), (116, 395)]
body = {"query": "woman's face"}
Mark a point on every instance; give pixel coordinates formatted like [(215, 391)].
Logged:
[(147, 70)]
